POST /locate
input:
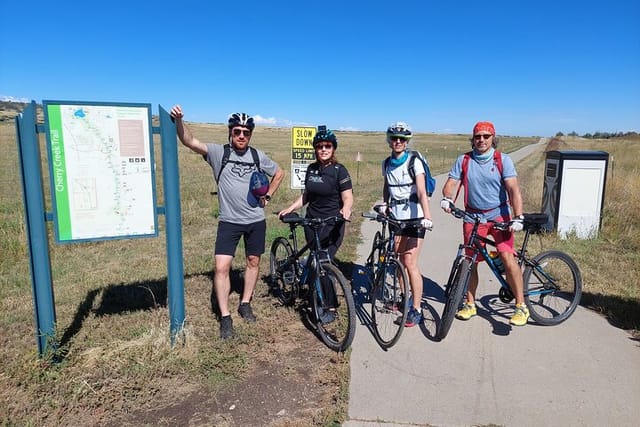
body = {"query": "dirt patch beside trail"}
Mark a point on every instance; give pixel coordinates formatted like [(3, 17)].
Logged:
[(289, 388)]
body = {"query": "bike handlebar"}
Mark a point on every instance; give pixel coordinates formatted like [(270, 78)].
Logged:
[(294, 220), (460, 214), (413, 223), (532, 221)]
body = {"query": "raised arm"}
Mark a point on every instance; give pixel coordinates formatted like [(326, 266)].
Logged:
[(184, 133)]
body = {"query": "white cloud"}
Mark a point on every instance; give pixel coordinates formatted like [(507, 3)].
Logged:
[(264, 120), (5, 98), (272, 121)]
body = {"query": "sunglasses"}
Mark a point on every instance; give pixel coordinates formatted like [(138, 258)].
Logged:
[(479, 137), (324, 146), (238, 132), (399, 139)]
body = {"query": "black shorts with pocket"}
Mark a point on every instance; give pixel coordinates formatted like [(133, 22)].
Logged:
[(229, 235)]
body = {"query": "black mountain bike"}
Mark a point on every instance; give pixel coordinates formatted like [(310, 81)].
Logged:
[(552, 280), (325, 291), (390, 290)]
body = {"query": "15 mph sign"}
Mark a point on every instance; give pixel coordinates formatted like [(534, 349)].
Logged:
[(301, 154)]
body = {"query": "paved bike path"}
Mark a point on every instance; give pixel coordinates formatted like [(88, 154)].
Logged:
[(583, 372)]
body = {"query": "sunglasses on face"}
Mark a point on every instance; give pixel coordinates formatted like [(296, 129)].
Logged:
[(324, 146), (479, 137), (238, 132), (397, 139)]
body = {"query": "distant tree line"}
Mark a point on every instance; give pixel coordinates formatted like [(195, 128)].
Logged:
[(600, 135)]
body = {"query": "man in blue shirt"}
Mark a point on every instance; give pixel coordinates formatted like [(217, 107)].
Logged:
[(491, 191)]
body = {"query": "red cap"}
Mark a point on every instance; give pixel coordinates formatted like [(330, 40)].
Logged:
[(484, 127)]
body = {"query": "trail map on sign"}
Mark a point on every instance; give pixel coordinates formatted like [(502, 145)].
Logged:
[(101, 167)]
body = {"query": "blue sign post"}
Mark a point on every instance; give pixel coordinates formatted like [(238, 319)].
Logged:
[(173, 216), (38, 243)]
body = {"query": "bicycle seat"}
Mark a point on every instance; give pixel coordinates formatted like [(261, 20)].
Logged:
[(536, 218), (533, 222), (291, 218)]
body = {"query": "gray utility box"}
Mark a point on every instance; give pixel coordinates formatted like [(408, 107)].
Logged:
[(573, 193)]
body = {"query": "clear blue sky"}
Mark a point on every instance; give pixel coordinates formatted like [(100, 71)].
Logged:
[(531, 67)]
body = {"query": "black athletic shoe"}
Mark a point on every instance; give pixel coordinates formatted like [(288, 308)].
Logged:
[(327, 316), (226, 327), (245, 312)]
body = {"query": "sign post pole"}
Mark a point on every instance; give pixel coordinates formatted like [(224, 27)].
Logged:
[(171, 181), (40, 263)]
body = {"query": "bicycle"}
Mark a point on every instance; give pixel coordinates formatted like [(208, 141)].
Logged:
[(552, 279), (390, 290), (329, 302)]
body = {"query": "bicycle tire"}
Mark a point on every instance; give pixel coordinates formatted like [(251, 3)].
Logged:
[(459, 278), (389, 304), (285, 282), (337, 334), (552, 287)]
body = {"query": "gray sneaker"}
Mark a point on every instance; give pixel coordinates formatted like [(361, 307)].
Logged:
[(226, 327), (246, 313)]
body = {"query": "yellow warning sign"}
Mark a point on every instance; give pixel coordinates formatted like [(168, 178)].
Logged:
[(302, 137)]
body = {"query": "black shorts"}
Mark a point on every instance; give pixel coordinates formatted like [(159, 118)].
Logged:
[(417, 232), (229, 235)]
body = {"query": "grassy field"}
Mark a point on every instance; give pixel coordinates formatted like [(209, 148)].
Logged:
[(118, 367)]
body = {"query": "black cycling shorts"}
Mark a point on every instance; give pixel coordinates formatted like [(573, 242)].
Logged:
[(229, 235), (417, 232)]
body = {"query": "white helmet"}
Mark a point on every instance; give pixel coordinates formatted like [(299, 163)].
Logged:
[(399, 129)]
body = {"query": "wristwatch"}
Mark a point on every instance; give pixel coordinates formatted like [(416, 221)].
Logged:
[(267, 197), (521, 217)]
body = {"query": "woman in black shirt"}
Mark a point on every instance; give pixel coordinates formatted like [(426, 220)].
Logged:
[(327, 190)]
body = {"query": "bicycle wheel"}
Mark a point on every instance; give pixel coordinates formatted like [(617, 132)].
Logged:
[(283, 279), (390, 303), (455, 293), (552, 287), (336, 322)]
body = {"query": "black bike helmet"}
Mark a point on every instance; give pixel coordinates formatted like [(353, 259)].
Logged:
[(241, 119), (323, 134)]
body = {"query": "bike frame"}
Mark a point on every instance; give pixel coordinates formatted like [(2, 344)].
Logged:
[(316, 256), (389, 250), (475, 243)]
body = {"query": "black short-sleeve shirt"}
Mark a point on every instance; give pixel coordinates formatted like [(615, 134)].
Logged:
[(324, 186)]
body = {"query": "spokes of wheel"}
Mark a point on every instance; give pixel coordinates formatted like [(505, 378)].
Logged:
[(455, 293), (336, 315), (283, 277), (553, 287), (390, 303)]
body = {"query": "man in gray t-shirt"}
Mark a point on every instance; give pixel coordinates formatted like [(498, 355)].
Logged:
[(241, 209)]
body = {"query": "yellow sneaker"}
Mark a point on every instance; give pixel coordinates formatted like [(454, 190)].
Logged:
[(520, 316), (467, 311)]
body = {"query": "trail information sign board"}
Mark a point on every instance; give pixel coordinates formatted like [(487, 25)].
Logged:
[(101, 170)]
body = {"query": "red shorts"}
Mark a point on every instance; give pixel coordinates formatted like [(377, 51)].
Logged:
[(504, 239)]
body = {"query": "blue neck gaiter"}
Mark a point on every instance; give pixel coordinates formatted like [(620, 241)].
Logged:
[(483, 157), (395, 162)]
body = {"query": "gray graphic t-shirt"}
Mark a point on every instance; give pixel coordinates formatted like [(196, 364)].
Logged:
[(237, 204)]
